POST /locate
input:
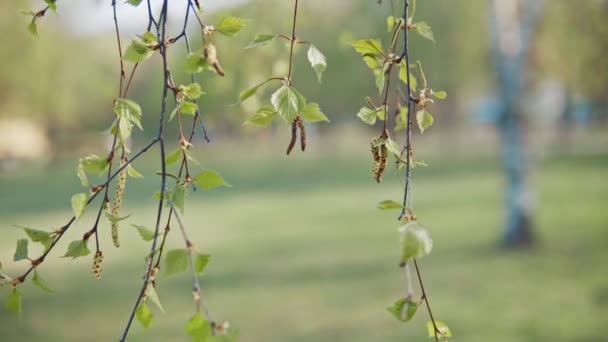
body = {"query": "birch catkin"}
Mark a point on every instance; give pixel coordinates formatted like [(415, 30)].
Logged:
[(121, 182)]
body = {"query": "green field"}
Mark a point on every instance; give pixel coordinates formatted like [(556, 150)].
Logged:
[(299, 253)]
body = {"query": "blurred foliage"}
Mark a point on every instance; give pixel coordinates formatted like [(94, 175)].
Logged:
[(572, 45), (58, 76)]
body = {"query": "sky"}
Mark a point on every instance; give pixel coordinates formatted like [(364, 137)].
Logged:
[(95, 16)]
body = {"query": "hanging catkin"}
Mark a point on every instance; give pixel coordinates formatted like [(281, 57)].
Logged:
[(121, 182), (97, 265)]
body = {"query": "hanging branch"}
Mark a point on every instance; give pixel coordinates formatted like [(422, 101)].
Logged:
[(286, 102)]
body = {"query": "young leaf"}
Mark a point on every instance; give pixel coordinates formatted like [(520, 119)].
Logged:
[(198, 328), (192, 91), (176, 261), (148, 37), (404, 309), (403, 77), (379, 73), (145, 233), (32, 27), (312, 113), (40, 283), (263, 117), (137, 52), (130, 110), (36, 235), (134, 2), (81, 174), (144, 316), (94, 163), (368, 115), (368, 47), (173, 157), (261, 39), (393, 147), (21, 250), (390, 23), (77, 249), (424, 30), (52, 4), (441, 95), (196, 63), (201, 262), (244, 95), (424, 119), (317, 61), (188, 108), (444, 331), (209, 179), (288, 102), (178, 196), (79, 203), (14, 302), (229, 26), (153, 296), (133, 173), (388, 204), (415, 241)]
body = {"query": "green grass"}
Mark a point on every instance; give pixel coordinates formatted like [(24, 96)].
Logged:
[(299, 253)]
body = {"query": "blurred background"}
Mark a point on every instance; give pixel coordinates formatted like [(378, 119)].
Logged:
[(514, 193)]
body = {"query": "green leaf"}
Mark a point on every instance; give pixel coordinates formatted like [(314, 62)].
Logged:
[(401, 120), (94, 163), (36, 235), (130, 110), (134, 2), (14, 302), (198, 328), (229, 26), (176, 261), (379, 73), (317, 61), (415, 241), (261, 39), (390, 23), (393, 147), (188, 108), (312, 113), (137, 52), (173, 157), (263, 117), (153, 296), (79, 204), (368, 115), (192, 91), (21, 250), (424, 30), (40, 283), (178, 196), (81, 174), (424, 119), (368, 47), (444, 331), (145, 233), (288, 102), (77, 249), (149, 38), (251, 91), (144, 316), (404, 309), (52, 4), (388, 204), (32, 27), (133, 173), (441, 95), (196, 63), (209, 179), (201, 262), (372, 62), (403, 77)]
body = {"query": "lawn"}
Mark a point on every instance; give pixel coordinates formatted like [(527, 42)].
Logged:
[(299, 253)]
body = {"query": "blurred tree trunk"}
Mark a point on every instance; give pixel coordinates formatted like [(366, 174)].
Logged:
[(512, 25)]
